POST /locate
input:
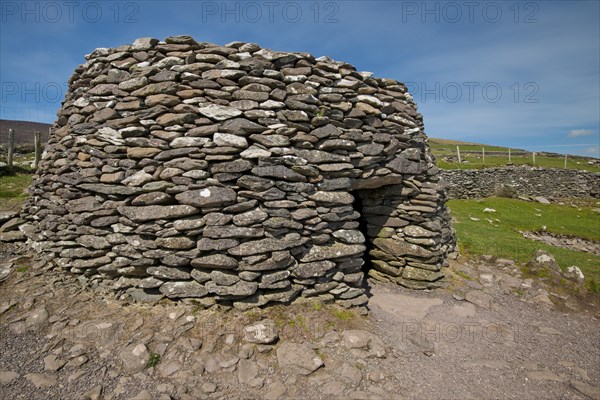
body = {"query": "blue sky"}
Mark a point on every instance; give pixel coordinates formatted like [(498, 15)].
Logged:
[(519, 74)]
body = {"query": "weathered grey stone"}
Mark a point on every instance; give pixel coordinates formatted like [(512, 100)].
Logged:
[(240, 288), (139, 295), (419, 274), (232, 231), (361, 342), (138, 179), (224, 279), (313, 269), (218, 112), (262, 332), (6, 377), (206, 244), (279, 260), (336, 250), (227, 139), (250, 217), (176, 243), (134, 357), (183, 289), (349, 236), (265, 246), (163, 272), (215, 261), (417, 231), (255, 152), (148, 213), (212, 196), (142, 152), (154, 198), (280, 172), (42, 380), (399, 248), (110, 189), (332, 198), (298, 358), (188, 142), (94, 242)]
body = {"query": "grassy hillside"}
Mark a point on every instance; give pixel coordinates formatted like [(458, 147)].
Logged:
[(496, 156), (498, 233)]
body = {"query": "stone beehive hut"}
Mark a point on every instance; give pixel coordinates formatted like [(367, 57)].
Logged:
[(237, 174)]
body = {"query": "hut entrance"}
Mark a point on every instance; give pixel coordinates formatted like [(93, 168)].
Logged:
[(380, 224)]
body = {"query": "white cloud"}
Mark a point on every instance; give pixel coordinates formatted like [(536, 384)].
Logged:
[(594, 151), (580, 132)]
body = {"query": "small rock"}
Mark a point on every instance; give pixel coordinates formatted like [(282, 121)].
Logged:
[(590, 391), (543, 262), (93, 394), (229, 361), (134, 358), (7, 377), (544, 376), (486, 279), (246, 351), (573, 273), (363, 343), (247, 371), (298, 358), (547, 330), (53, 363), (263, 332), (42, 380), (333, 388), (350, 374), (275, 391), (143, 395), (543, 298), (376, 376), (209, 387), (479, 298)]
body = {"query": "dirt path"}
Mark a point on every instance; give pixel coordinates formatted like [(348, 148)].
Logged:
[(495, 336)]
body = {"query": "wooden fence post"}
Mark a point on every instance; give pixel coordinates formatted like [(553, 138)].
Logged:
[(11, 147), (483, 154), (458, 154), (509, 159), (37, 140), (565, 161), (533, 158)]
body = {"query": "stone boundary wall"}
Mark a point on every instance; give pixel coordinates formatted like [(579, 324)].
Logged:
[(238, 175), (527, 181)]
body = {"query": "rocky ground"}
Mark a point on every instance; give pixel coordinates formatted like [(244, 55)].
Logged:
[(491, 334), (567, 242)]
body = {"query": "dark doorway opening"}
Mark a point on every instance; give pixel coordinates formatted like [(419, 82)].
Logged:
[(363, 227)]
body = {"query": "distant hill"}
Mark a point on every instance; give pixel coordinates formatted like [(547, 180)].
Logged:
[(23, 131), (497, 156), (438, 143)]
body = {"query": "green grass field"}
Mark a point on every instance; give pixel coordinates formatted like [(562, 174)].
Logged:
[(14, 186), (13, 191), (501, 237), (471, 152)]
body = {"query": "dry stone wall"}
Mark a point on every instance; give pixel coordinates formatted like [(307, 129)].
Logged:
[(239, 175), (521, 181)]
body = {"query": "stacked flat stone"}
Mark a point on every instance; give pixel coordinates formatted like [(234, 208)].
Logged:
[(525, 180), (224, 173)]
